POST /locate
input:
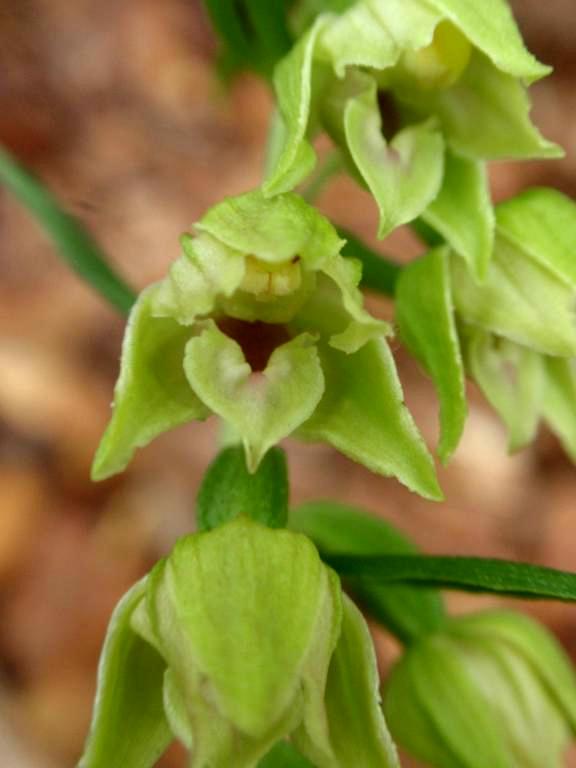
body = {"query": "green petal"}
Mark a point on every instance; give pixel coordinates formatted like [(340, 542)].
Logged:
[(374, 33), (294, 88), (338, 529), (241, 613), (559, 401), (450, 724), (512, 379), (274, 230), (463, 214), (129, 727), (542, 224), (347, 273), (363, 415), (264, 407), (486, 114), (490, 26), (425, 316), (405, 175), (521, 299), (206, 270), (152, 394), (357, 728)]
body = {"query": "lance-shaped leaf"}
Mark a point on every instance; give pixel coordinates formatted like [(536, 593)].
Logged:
[(405, 174), (247, 619), (463, 214), (358, 731), (521, 299), (294, 86), (490, 27), (363, 415), (129, 727), (434, 710), (425, 316), (512, 378), (486, 114), (338, 529), (559, 401), (152, 394), (263, 406)]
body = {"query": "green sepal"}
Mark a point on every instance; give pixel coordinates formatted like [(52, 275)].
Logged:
[(490, 27), (513, 380), (405, 174), (434, 709), (425, 316), (245, 603), (263, 407), (463, 214), (521, 300), (358, 732), (228, 490), (294, 87), (129, 727), (486, 115), (541, 222), (559, 401), (362, 414), (152, 394), (339, 529)]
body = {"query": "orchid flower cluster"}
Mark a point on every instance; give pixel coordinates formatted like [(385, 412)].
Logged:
[(241, 643)]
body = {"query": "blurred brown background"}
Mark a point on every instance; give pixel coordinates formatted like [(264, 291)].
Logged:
[(117, 107)]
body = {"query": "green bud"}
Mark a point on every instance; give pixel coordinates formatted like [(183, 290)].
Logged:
[(452, 77), (239, 639), (493, 689), (256, 322)]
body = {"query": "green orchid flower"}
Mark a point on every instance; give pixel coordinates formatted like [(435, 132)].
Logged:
[(491, 689), (261, 322), (416, 94), (240, 639), (514, 335)]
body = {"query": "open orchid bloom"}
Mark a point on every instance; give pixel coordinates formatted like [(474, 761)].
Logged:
[(515, 334), (240, 639), (492, 688), (261, 322), (415, 94)]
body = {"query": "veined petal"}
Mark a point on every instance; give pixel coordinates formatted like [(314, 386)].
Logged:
[(490, 26), (205, 271), (486, 114), (375, 33), (405, 175), (264, 406), (363, 415), (129, 727), (463, 214), (273, 230), (152, 394)]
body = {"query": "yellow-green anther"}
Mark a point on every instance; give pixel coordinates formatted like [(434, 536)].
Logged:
[(440, 64), (267, 281)]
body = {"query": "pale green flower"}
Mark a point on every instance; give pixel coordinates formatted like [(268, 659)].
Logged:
[(239, 639), (415, 93), (260, 321)]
